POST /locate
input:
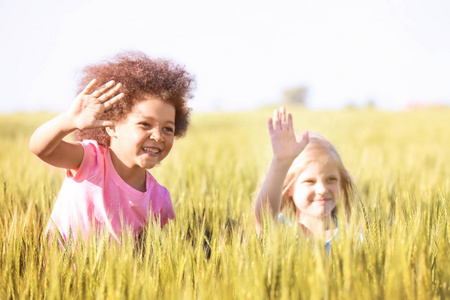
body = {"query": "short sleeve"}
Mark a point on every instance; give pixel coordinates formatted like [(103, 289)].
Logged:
[(91, 163)]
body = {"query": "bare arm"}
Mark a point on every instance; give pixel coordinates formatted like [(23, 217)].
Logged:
[(47, 141), (285, 148)]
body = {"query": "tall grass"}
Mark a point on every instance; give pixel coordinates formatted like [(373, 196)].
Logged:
[(400, 161)]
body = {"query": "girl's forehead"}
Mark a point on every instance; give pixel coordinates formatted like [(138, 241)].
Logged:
[(311, 154), (323, 161)]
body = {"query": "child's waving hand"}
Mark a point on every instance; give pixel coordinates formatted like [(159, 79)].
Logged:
[(91, 103), (47, 141), (285, 145)]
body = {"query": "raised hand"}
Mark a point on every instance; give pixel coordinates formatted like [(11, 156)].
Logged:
[(285, 145), (91, 103)]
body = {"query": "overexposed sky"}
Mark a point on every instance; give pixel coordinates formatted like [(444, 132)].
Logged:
[(243, 53)]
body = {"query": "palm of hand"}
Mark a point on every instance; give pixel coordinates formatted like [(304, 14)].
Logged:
[(90, 104), (85, 111), (285, 144)]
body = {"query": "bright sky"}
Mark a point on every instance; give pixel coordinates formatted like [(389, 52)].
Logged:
[(243, 53)]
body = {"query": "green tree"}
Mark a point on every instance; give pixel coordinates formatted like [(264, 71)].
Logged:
[(295, 95)]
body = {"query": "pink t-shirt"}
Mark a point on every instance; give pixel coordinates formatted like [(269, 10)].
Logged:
[(97, 197)]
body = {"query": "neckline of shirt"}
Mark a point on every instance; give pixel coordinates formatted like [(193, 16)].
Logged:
[(121, 183)]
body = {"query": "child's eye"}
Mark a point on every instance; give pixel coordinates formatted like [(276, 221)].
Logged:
[(169, 129), (145, 124), (309, 181), (332, 179)]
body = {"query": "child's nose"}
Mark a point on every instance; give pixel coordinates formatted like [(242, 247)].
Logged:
[(157, 136), (321, 188)]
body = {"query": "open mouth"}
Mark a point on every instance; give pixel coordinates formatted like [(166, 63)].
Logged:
[(151, 150)]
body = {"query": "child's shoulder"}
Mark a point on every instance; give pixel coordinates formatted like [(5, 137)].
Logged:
[(92, 143), (94, 160), (161, 200), (93, 147), (155, 187)]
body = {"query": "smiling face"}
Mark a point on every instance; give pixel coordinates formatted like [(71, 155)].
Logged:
[(316, 191), (146, 136)]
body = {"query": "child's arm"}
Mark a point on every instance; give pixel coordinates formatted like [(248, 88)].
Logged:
[(47, 141), (285, 148)]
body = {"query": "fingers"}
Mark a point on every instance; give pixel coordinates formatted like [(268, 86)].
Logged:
[(290, 123), (99, 92), (110, 102), (302, 136), (280, 121), (276, 119), (89, 87), (283, 114), (104, 97), (105, 92), (305, 136), (270, 126), (305, 139)]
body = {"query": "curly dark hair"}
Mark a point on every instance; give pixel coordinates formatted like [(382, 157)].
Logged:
[(139, 76)]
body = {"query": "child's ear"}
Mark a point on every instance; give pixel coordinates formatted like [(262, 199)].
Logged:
[(111, 131)]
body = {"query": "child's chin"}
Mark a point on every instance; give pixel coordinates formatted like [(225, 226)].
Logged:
[(147, 166), (151, 166), (324, 213)]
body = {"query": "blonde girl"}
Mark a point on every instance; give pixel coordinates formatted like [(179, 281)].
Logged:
[(125, 118), (307, 175)]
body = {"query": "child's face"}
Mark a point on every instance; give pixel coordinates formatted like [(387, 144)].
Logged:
[(146, 136), (317, 189)]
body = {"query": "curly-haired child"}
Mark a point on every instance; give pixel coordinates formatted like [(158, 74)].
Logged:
[(127, 113)]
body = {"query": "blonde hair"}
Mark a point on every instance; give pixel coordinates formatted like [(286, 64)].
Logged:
[(318, 143)]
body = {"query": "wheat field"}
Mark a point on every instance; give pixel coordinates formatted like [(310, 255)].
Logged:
[(400, 162)]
